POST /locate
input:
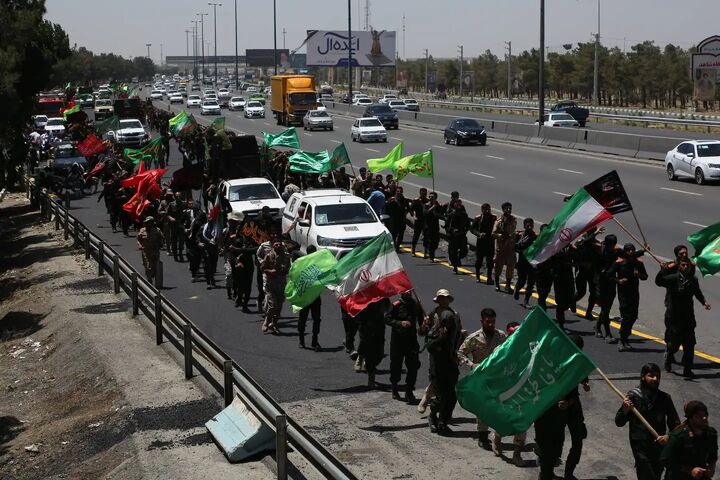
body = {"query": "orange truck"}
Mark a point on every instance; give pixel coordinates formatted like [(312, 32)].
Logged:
[(292, 97)]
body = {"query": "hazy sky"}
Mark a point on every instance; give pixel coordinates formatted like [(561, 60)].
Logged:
[(124, 27)]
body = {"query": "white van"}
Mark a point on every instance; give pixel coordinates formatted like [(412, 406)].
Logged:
[(331, 219), (249, 195)]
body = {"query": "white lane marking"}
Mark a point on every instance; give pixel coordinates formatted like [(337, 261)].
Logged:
[(335, 141), (571, 171), (561, 193), (396, 138), (496, 158), (372, 150), (695, 224), (307, 134), (440, 146), (482, 175), (681, 191)]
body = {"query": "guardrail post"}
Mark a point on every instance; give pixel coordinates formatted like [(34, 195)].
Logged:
[(57, 218), (281, 446), (134, 293), (159, 274), (67, 199), (228, 383), (101, 258), (158, 320), (66, 229), (86, 241), (116, 273), (187, 351)]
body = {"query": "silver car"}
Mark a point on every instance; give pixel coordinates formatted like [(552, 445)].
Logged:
[(315, 119)]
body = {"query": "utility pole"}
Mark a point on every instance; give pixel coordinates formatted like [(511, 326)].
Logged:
[(161, 54), (426, 70), (148, 45), (367, 15), (596, 74), (284, 32), (541, 69), (275, 34), (187, 48), (404, 57), (350, 85), (202, 43), (460, 49), (215, 5), (509, 69), (195, 39), (237, 86)]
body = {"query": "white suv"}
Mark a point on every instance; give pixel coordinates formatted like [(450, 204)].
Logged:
[(697, 159), (249, 195), (331, 219)]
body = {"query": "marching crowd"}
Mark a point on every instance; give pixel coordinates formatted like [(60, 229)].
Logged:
[(593, 270)]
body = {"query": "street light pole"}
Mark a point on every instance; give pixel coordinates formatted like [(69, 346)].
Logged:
[(509, 69), (596, 75), (237, 87), (148, 45), (161, 54), (187, 48), (350, 85), (275, 34), (195, 74), (426, 70), (202, 43), (541, 54), (461, 68), (215, 5)]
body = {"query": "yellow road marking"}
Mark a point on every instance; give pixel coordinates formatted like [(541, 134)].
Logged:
[(579, 311)]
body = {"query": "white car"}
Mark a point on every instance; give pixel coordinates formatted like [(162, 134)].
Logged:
[(559, 120), (39, 121), (411, 104), (358, 95), (332, 219), (397, 105), (237, 103), (156, 95), (210, 107), (368, 129), (363, 101), (252, 90), (254, 109), (209, 92), (131, 133), (697, 159), (175, 97), (386, 98), (317, 119), (56, 125), (194, 101), (211, 96), (223, 92), (249, 195)]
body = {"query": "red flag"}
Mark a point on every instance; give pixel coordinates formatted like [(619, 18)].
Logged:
[(147, 188), (135, 180), (90, 146), (95, 170)]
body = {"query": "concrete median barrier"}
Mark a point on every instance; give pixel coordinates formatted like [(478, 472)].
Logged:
[(497, 130), (563, 137), (521, 132), (655, 148), (606, 142)]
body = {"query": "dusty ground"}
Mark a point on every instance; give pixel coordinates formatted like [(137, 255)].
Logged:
[(85, 393)]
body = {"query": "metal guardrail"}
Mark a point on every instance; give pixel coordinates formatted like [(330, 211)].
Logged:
[(172, 325)]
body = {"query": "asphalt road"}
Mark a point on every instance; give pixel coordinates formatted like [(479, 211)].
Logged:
[(533, 179)]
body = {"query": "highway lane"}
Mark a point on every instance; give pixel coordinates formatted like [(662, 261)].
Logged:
[(535, 180)]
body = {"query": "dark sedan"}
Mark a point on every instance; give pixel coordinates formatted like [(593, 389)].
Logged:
[(465, 130), (384, 113)]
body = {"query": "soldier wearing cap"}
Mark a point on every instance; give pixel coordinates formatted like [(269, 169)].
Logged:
[(150, 240), (404, 318), (443, 338)]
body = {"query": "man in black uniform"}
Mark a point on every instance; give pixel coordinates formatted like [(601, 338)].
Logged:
[(175, 220), (314, 309), (431, 232), (404, 318), (606, 286), (682, 286), (563, 284), (586, 255), (457, 224), (691, 451), (658, 409), (244, 269), (417, 211), (371, 323), (629, 270), (544, 278), (482, 226), (526, 274), (442, 341), (396, 208)]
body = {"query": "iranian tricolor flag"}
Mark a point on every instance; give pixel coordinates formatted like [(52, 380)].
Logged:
[(369, 273), (588, 207)]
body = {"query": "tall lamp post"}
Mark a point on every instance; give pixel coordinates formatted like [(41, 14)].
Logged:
[(350, 85), (237, 86), (187, 48), (275, 35), (148, 45), (541, 54), (202, 43), (195, 73), (596, 74), (215, 5)]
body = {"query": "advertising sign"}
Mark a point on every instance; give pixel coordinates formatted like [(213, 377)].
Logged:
[(402, 79), (372, 48), (468, 81), (431, 81), (263, 57), (705, 69)]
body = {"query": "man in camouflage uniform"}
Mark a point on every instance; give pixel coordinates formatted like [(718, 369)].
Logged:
[(275, 267), (149, 240), (476, 348), (504, 234)]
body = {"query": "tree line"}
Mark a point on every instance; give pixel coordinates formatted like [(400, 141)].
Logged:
[(646, 75)]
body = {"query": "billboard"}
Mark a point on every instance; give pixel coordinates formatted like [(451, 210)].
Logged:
[(402, 79), (431, 81), (705, 69), (468, 81), (372, 48), (264, 57)]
